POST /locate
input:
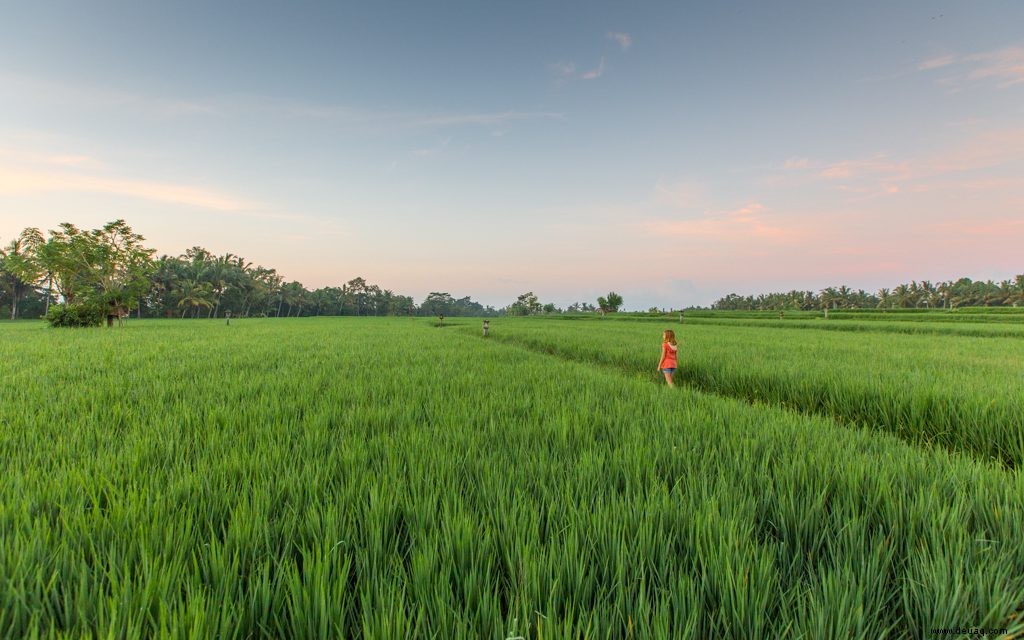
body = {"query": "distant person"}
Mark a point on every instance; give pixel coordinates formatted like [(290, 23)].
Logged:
[(669, 350)]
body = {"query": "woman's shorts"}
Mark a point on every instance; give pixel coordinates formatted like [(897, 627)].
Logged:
[(668, 371)]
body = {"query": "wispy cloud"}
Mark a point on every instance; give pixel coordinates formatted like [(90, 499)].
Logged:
[(1001, 227), (20, 181), (27, 88), (884, 174), (593, 74), (1003, 66), (624, 39), (1006, 66), (854, 169), (562, 68), (104, 98), (686, 209), (565, 69), (744, 223), (935, 63), (32, 173), (21, 156), (391, 120), (431, 151), (486, 119), (685, 194), (73, 161)]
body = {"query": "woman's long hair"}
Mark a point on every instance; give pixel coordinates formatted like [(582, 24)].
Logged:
[(669, 336)]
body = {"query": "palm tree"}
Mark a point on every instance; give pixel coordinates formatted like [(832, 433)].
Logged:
[(195, 294), (294, 295), (827, 297), (219, 274), (943, 289), (1006, 288), (843, 294), (1017, 297), (903, 294), (883, 297), (242, 275), (167, 274), (992, 295), (927, 293)]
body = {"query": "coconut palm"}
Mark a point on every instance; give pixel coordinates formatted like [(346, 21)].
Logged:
[(195, 295), (219, 273)]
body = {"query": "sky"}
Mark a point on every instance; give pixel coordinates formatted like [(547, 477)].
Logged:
[(673, 152)]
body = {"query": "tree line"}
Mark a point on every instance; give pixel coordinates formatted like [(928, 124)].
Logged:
[(80, 277), (915, 295)]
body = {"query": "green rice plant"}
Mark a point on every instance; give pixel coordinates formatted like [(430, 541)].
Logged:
[(380, 478), (965, 394), (1011, 328)]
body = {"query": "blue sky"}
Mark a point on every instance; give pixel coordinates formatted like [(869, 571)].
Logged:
[(674, 152)]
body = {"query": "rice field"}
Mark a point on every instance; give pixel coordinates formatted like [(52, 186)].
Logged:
[(387, 478), (859, 324), (964, 393)]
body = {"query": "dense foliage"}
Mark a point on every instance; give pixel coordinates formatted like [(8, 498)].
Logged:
[(76, 314), (272, 479), (110, 269), (945, 295)]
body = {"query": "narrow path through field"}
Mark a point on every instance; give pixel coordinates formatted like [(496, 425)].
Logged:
[(689, 381)]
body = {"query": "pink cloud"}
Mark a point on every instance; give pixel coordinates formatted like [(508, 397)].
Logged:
[(593, 74), (29, 171), (880, 174), (744, 223), (746, 213), (72, 161), (935, 63), (20, 181), (877, 166), (1000, 227), (685, 194), (1005, 66)]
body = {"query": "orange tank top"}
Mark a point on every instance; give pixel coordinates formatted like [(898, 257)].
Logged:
[(668, 356)]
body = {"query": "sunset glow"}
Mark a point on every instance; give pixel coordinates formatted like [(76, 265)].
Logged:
[(674, 153)]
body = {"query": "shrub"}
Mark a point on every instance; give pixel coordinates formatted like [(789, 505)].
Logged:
[(75, 315)]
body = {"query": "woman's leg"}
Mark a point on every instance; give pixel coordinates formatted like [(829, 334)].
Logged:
[(668, 379)]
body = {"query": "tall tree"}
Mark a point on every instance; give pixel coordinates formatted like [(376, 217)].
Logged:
[(20, 268), (610, 303), (437, 303), (107, 267), (122, 274), (526, 304)]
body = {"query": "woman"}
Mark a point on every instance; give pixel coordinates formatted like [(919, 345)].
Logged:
[(669, 349)]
